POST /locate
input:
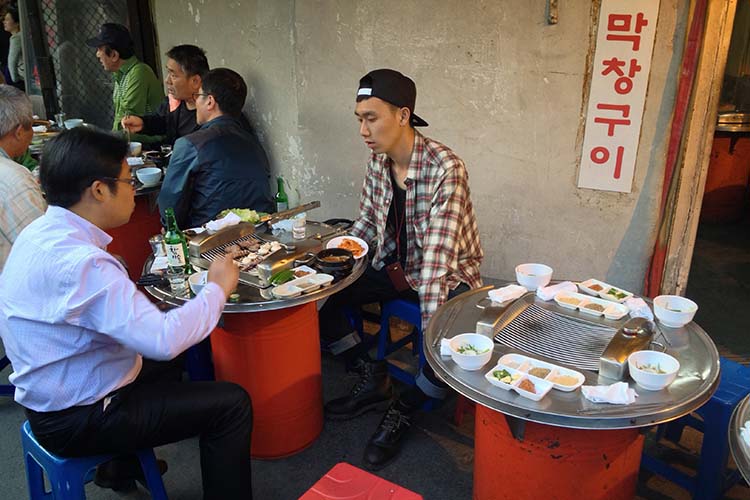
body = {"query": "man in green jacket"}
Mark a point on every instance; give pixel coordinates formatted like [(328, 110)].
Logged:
[(137, 89)]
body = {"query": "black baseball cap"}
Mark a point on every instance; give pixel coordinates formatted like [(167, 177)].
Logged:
[(393, 87), (115, 35)]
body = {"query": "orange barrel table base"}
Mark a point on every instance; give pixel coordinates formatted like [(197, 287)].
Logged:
[(553, 462), (275, 356)]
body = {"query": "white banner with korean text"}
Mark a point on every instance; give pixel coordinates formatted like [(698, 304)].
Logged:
[(622, 62)]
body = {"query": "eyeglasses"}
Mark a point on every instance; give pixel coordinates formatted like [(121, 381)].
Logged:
[(196, 94), (133, 183)]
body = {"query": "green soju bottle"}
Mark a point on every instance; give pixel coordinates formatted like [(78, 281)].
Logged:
[(176, 243), (282, 201)]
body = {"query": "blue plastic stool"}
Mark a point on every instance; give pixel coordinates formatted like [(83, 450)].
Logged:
[(6, 389), (409, 312), (711, 480), (67, 476)]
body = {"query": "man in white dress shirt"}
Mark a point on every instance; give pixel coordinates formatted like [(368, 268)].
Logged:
[(80, 335), (21, 200)]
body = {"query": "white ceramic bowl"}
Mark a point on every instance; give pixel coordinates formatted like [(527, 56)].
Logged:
[(648, 380), (198, 281), (533, 276), (148, 176), (73, 123), (135, 148), (674, 311), (471, 362)]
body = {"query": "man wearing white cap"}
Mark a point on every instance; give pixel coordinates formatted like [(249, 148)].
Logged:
[(416, 212)]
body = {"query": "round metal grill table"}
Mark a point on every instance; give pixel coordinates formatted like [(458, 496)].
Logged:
[(271, 347), (606, 431), (740, 448)]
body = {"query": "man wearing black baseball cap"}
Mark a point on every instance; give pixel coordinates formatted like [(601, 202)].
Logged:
[(137, 91), (416, 213)]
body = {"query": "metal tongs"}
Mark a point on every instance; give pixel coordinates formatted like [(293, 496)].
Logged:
[(286, 214), (151, 279)]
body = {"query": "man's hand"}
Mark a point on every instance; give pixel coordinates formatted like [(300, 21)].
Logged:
[(132, 123), (224, 273)]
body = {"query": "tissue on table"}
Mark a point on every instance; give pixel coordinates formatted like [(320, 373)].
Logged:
[(445, 347), (39, 129), (549, 292), (506, 293), (639, 308), (744, 431), (159, 264), (282, 225), (616, 394), (229, 219), (134, 161)]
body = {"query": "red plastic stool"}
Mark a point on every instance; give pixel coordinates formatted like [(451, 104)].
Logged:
[(346, 482), (463, 406)]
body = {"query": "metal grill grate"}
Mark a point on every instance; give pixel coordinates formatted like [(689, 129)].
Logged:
[(218, 252), (536, 330)]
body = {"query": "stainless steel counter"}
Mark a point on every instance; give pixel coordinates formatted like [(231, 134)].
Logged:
[(740, 449), (253, 299), (696, 381)]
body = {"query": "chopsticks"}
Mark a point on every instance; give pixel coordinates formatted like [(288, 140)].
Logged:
[(127, 129), (603, 410), (447, 325)]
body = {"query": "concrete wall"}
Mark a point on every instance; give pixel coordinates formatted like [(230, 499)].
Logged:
[(501, 87)]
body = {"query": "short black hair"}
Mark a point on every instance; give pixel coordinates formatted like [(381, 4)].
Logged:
[(76, 158), (228, 88), (192, 59), (14, 14), (125, 52)]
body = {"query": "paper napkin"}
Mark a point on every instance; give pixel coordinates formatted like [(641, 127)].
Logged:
[(506, 293), (445, 347), (159, 263), (639, 308), (616, 394), (229, 219), (549, 292)]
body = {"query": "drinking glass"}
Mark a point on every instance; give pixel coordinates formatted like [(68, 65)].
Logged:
[(177, 282), (157, 245), (60, 119), (299, 224)]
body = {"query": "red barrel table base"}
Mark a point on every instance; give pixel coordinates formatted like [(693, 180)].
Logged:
[(130, 241), (275, 356), (553, 462)]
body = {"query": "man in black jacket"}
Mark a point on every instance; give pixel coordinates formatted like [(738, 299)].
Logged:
[(175, 118), (221, 165)]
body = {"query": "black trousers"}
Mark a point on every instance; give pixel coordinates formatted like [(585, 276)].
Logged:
[(156, 409), (372, 286)]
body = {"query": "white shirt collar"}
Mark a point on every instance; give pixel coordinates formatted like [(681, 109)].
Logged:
[(94, 235)]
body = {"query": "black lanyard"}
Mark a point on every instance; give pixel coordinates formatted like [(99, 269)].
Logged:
[(399, 222)]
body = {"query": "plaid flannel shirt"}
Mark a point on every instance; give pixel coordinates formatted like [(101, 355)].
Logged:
[(21, 202), (443, 248)]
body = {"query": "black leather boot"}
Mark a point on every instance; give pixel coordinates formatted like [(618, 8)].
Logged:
[(386, 443), (373, 391)]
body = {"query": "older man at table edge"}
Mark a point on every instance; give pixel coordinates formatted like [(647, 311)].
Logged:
[(221, 165), (77, 331), (137, 90), (21, 200), (416, 211), (186, 66)]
